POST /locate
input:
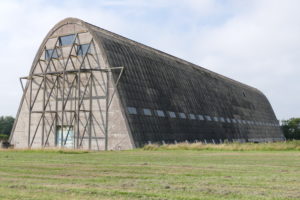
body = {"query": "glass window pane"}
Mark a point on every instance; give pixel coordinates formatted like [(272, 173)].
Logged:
[(147, 111), (51, 53), (216, 119), (182, 115), (160, 113), (83, 49), (228, 120), (200, 117), (172, 114), (66, 40), (208, 118), (192, 116), (132, 110)]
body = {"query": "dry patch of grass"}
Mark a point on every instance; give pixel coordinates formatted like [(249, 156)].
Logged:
[(275, 146)]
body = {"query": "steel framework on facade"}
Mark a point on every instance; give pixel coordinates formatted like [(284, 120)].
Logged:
[(58, 85)]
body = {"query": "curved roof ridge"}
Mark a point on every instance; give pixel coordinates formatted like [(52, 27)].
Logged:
[(162, 53)]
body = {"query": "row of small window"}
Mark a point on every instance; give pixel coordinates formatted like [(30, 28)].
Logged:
[(181, 115), (65, 41), (81, 51)]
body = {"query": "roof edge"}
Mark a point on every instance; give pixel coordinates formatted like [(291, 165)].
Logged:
[(143, 46), (162, 53)]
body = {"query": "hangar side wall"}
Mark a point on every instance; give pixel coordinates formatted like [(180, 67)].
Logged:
[(157, 81)]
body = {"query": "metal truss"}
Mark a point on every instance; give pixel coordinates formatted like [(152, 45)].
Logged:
[(59, 86)]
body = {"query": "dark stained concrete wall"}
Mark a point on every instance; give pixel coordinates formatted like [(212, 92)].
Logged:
[(156, 80)]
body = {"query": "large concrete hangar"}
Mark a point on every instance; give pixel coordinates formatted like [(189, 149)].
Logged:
[(89, 88)]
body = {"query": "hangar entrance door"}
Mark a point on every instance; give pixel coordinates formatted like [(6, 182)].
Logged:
[(65, 136)]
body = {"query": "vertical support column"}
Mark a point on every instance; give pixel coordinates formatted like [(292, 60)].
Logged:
[(44, 110), (78, 108), (62, 109), (74, 117), (30, 109), (56, 111), (106, 110), (91, 114)]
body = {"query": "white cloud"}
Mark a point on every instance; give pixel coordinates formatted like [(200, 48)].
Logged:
[(256, 42)]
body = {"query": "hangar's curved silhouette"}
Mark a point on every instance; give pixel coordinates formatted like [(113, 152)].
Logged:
[(90, 88)]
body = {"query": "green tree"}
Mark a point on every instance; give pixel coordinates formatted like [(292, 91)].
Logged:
[(6, 124), (291, 128)]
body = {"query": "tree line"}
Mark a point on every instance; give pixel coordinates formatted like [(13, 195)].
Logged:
[(291, 128)]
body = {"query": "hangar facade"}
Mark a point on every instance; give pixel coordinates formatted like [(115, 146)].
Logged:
[(89, 88)]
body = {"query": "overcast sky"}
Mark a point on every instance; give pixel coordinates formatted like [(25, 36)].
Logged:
[(256, 42)]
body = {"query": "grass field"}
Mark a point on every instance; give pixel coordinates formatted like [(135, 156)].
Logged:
[(159, 174)]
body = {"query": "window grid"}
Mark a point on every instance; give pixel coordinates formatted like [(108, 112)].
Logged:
[(171, 114)]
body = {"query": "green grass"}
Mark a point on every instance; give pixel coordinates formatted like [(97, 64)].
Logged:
[(140, 174)]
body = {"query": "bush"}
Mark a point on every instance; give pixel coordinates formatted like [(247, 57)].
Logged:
[(6, 124), (4, 137), (291, 128)]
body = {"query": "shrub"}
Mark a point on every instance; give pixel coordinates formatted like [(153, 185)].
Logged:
[(4, 137)]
